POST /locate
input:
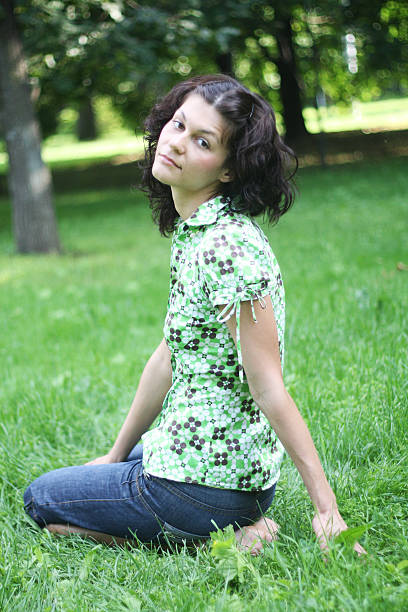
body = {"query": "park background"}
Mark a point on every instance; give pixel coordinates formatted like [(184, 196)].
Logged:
[(84, 277)]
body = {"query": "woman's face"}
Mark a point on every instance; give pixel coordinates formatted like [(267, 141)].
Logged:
[(190, 153)]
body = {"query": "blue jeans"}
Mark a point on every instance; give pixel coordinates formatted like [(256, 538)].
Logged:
[(121, 499)]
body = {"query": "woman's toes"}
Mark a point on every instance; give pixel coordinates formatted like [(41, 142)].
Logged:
[(269, 528), (250, 538)]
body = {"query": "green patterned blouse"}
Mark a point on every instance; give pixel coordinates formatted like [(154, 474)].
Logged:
[(210, 430)]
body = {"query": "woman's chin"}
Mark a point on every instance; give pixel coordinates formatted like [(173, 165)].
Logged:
[(160, 176)]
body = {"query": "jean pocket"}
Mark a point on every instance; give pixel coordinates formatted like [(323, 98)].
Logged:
[(179, 536)]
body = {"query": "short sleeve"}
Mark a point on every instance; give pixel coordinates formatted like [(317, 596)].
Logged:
[(235, 267)]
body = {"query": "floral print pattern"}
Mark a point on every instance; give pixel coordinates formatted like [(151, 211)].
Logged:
[(210, 430)]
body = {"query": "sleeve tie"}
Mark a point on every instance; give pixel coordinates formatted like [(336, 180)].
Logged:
[(234, 307)]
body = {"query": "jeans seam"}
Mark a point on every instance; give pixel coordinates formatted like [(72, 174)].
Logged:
[(145, 503), (160, 521), (87, 499)]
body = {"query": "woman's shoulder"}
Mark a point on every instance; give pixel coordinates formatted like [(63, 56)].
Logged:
[(234, 229)]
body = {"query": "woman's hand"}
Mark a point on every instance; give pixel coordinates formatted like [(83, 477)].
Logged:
[(327, 525), (108, 458)]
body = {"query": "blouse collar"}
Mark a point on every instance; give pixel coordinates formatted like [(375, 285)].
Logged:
[(207, 212)]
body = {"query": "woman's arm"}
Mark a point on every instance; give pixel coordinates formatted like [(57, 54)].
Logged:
[(154, 383), (261, 361)]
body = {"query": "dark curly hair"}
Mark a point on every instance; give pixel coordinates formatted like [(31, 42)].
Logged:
[(258, 160)]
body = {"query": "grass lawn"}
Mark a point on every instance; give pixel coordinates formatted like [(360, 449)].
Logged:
[(76, 331)]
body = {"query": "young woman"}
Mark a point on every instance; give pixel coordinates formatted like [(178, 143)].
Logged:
[(214, 160)]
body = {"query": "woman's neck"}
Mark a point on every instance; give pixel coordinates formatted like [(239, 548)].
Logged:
[(186, 204)]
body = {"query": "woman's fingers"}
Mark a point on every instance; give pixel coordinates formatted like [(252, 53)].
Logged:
[(328, 525), (93, 462), (100, 460)]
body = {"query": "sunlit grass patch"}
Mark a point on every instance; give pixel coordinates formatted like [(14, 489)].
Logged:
[(380, 115)]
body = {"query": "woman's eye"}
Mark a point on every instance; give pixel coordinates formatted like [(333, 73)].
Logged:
[(177, 124), (203, 143)]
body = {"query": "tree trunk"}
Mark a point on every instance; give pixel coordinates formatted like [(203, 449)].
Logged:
[(86, 126), (225, 64), (29, 179), (289, 88)]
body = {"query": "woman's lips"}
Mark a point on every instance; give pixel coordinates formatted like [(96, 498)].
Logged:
[(169, 161)]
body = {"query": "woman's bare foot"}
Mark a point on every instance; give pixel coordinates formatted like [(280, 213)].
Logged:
[(251, 538), (97, 536)]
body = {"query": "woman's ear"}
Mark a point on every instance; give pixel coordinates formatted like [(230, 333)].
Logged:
[(226, 176)]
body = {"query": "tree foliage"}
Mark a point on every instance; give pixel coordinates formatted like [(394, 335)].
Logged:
[(134, 51)]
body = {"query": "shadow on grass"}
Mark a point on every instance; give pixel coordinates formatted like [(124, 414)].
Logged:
[(85, 176), (92, 190), (338, 148)]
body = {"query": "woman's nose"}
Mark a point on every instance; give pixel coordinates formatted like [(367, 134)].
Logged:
[(178, 143)]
